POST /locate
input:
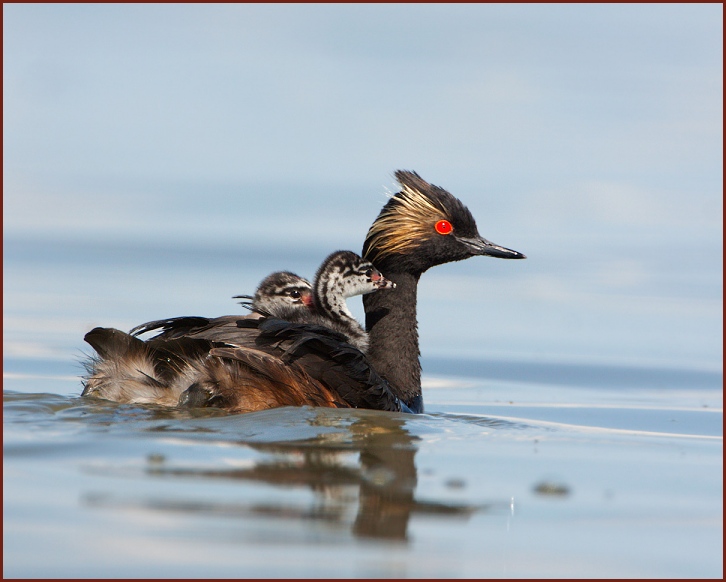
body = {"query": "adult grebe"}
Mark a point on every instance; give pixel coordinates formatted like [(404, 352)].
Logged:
[(420, 227), (287, 363)]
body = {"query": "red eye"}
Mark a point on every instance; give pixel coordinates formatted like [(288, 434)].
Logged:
[(443, 227)]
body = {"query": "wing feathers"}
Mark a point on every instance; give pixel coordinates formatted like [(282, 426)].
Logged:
[(237, 363)]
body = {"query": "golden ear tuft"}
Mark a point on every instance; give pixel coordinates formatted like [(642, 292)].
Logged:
[(407, 219)]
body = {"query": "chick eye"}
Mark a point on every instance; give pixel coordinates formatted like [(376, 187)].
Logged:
[(443, 227), (369, 272), (295, 294)]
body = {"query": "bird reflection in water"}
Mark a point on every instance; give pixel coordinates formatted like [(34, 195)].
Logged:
[(355, 457)]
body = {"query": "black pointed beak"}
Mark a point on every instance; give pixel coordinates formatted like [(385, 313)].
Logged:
[(481, 246)]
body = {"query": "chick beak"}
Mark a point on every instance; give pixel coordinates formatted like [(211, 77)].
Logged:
[(380, 282), (481, 246)]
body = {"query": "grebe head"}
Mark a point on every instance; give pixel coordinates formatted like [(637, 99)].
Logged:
[(278, 290), (345, 274), (424, 225)]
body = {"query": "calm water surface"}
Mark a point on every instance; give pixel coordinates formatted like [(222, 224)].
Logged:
[(518, 468)]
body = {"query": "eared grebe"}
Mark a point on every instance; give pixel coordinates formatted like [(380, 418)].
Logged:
[(420, 227), (256, 362), (279, 290)]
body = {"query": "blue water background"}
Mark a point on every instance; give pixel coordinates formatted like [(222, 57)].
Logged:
[(159, 160)]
